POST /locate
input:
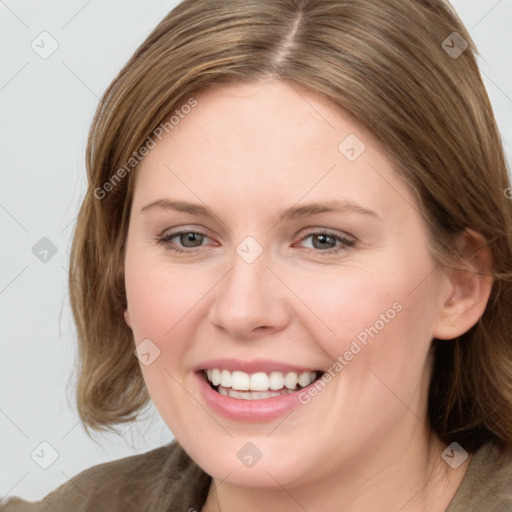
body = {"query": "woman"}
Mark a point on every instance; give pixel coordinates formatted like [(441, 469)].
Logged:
[(297, 216)]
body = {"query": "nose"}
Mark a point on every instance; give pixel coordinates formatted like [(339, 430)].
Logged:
[(250, 301)]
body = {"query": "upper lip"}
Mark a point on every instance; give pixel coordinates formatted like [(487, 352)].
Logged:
[(253, 366)]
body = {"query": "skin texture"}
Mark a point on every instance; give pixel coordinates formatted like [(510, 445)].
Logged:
[(248, 152)]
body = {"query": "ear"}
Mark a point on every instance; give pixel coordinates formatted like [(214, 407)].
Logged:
[(468, 290), (127, 318)]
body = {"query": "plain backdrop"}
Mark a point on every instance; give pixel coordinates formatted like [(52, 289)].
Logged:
[(47, 105)]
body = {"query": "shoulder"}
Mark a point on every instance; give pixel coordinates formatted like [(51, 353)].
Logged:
[(134, 483), (487, 485)]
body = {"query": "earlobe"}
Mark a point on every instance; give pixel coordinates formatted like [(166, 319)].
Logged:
[(469, 289), (127, 318)]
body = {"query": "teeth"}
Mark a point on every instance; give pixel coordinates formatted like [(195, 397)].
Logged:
[(260, 381), (290, 380), (215, 377), (225, 379), (276, 380), (304, 379), (241, 381)]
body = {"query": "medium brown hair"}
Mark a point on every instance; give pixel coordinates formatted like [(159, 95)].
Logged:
[(386, 62)]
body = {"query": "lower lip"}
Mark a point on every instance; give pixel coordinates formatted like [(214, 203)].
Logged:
[(237, 409)]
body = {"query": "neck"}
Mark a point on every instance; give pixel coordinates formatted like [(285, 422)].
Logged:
[(408, 474)]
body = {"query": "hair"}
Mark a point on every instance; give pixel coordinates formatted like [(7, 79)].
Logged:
[(386, 62)]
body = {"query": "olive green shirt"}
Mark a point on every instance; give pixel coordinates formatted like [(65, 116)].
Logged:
[(167, 480)]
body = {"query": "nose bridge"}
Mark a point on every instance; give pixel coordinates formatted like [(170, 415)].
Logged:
[(249, 297)]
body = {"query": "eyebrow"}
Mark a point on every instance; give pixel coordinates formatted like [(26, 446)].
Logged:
[(294, 212)]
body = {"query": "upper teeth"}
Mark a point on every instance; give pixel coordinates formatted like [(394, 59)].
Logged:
[(260, 381)]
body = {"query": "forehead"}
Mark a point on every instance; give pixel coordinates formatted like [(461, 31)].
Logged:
[(246, 141)]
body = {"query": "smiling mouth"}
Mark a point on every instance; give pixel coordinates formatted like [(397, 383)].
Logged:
[(260, 385)]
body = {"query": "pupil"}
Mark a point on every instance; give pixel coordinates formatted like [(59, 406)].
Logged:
[(190, 237), (323, 238)]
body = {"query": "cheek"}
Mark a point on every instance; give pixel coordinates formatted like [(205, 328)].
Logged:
[(343, 305), (160, 301), (379, 317), (387, 359), (159, 297)]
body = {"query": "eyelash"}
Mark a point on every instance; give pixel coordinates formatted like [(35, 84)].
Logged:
[(345, 242)]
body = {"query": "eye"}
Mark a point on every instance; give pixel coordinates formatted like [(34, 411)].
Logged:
[(189, 239), (325, 242)]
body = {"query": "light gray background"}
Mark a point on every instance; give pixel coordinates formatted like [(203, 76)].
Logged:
[(47, 106)]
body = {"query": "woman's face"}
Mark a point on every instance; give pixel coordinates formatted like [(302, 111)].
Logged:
[(270, 242)]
